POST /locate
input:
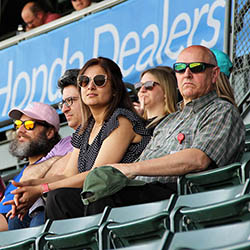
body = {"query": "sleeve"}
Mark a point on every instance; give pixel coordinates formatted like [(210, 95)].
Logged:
[(113, 123), (221, 134), (7, 195), (60, 149)]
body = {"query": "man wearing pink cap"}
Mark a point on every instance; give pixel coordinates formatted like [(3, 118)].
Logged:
[(37, 129), (52, 164)]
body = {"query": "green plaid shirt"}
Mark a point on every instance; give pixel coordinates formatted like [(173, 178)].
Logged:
[(208, 123)]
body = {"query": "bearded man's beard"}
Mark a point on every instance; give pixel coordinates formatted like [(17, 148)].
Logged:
[(33, 147)]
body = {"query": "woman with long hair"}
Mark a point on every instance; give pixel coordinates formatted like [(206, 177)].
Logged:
[(111, 132)]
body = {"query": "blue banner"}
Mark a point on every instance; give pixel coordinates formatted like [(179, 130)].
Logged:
[(137, 34)]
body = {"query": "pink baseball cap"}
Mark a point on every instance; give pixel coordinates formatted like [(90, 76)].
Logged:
[(38, 111)]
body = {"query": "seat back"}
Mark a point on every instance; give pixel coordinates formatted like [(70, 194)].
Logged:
[(135, 224), (204, 199), (76, 233), (212, 238), (22, 238), (221, 213), (211, 179)]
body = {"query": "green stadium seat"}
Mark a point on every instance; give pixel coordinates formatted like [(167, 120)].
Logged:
[(22, 238), (221, 213), (204, 199), (225, 237), (76, 233), (211, 179), (136, 224)]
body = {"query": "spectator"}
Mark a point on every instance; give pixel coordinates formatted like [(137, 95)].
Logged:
[(37, 132), (110, 124), (34, 15), (157, 94), (206, 132), (80, 4), (70, 106)]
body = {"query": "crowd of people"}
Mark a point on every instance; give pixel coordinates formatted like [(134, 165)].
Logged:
[(35, 13), (135, 150)]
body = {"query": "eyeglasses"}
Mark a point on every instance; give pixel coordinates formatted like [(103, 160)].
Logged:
[(99, 80), (195, 67), (147, 85), (68, 102), (28, 125)]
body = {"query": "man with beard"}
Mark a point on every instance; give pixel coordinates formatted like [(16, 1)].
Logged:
[(37, 129), (52, 164)]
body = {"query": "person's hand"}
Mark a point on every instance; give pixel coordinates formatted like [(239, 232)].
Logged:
[(126, 169), (24, 197), (19, 211), (139, 107)]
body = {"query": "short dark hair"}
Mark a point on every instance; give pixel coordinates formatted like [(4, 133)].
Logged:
[(68, 78)]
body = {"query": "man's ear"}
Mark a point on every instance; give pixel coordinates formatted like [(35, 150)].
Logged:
[(50, 132), (215, 72)]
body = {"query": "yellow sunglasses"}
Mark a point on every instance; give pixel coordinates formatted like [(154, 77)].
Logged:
[(28, 125)]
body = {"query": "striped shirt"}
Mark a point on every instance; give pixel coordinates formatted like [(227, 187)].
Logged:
[(209, 123)]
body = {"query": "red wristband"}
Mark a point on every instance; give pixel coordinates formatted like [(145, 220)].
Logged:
[(45, 188)]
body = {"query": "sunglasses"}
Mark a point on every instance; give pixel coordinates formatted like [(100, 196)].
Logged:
[(68, 102), (147, 85), (28, 125), (99, 80), (195, 67)]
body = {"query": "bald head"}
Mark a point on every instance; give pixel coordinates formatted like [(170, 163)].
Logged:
[(202, 54), (32, 15)]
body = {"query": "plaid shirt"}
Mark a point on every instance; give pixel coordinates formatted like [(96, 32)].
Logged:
[(209, 123)]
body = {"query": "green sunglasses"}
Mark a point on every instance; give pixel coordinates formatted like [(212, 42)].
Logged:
[(195, 67)]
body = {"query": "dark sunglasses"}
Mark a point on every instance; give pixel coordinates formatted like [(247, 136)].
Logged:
[(28, 125), (68, 102), (99, 80), (195, 67), (147, 85)]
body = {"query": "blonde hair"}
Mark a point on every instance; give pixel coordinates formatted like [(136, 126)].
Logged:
[(223, 88), (167, 80)]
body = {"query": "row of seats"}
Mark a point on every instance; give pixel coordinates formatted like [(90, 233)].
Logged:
[(194, 221), (210, 211)]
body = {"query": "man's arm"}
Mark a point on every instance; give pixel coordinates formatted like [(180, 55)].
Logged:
[(39, 170), (179, 163)]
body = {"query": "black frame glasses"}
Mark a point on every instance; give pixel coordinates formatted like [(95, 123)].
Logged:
[(149, 85), (28, 124), (195, 67), (98, 80), (67, 101)]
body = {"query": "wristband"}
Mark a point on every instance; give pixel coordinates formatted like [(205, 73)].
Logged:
[(45, 188)]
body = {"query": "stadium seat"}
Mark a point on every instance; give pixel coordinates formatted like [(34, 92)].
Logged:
[(159, 244), (221, 213), (211, 179), (225, 237), (22, 238), (76, 233), (204, 199), (131, 225)]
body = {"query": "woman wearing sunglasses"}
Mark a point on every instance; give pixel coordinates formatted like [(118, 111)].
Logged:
[(157, 93), (112, 132)]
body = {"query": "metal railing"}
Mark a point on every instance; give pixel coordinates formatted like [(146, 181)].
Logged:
[(74, 16)]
